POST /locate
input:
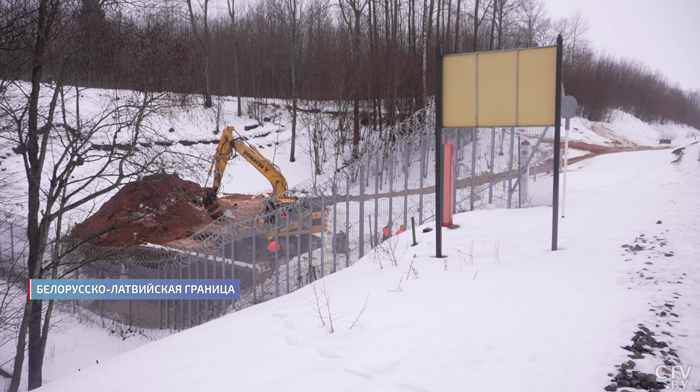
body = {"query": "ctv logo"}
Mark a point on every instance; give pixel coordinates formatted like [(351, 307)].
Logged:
[(677, 376)]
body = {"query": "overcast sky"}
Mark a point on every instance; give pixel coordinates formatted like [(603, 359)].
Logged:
[(663, 34)]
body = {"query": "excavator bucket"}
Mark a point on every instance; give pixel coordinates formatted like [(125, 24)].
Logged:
[(210, 203), (215, 211)]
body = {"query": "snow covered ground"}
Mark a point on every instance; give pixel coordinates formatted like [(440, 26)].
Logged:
[(625, 130), (500, 312)]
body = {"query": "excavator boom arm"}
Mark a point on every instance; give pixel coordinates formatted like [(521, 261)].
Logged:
[(264, 166), (251, 154), (222, 156)]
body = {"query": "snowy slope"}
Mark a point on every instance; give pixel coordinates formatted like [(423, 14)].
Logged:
[(508, 230), (192, 123), (500, 312), (179, 126), (625, 130)]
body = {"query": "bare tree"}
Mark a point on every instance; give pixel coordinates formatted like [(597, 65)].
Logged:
[(231, 4), (317, 124), (56, 137), (534, 24), (351, 12), (289, 13), (202, 38), (579, 28)]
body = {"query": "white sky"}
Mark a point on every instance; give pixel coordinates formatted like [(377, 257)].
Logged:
[(663, 34)]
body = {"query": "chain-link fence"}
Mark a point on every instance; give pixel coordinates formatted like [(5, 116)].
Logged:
[(333, 221)]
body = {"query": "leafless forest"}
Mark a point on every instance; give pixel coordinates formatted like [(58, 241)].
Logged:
[(376, 56), (374, 59)]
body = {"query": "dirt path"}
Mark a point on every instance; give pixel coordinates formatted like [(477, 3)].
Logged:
[(544, 167)]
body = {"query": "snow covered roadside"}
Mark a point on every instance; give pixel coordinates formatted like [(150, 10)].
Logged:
[(625, 130), (518, 318)]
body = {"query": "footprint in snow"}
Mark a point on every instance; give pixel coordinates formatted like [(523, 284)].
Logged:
[(326, 353), (291, 341), (360, 374)]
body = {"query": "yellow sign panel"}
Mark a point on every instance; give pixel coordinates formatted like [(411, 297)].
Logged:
[(537, 70), (499, 89), (496, 86), (459, 96)]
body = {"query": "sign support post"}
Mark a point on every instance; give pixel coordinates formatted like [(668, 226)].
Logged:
[(438, 143), (557, 149)]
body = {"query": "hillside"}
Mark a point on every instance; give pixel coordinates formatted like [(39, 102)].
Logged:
[(500, 311), (507, 246)]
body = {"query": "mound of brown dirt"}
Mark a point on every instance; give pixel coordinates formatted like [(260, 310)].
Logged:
[(158, 209)]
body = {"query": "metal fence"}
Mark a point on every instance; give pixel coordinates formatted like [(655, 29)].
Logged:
[(362, 204), (13, 247)]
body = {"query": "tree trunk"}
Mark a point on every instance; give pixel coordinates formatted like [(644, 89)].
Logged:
[(459, 12), (35, 349), (356, 127), (476, 25), (21, 345), (234, 34), (294, 130), (448, 28), (493, 25), (427, 23)]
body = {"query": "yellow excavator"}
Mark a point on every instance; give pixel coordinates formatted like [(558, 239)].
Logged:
[(288, 206)]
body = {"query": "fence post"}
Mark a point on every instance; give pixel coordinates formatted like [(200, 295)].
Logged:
[(196, 273), (255, 264), (182, 305), (510, 167), (206, 276), (391, 191), (286, 247), (75, 276), (214, 258), (160, 305), (223, 273), (233, 263), (347, 220), (373, 241), (276, 260), (334, 237), (422, 174), (475, 133), (323, 221), (456, 166), (405, 188), (299, 227), (311, 241), (362, 211), (125, 274), (223, 259), (524, 175), (173, 312), (493, 148)]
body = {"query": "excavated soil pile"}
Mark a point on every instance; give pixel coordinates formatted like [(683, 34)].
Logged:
[(158, 209)]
